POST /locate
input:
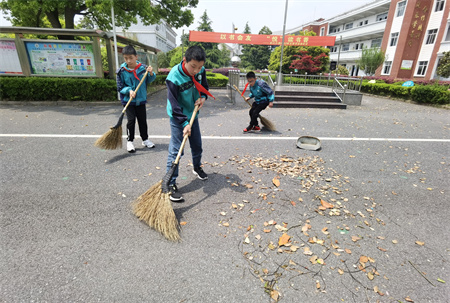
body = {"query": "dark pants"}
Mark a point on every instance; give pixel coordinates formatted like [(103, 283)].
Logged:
[(254, 112), (138, 113)]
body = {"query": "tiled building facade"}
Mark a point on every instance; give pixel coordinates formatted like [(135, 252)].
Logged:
[(413, 33)]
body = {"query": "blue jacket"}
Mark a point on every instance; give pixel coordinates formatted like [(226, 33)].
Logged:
[(261, 92), (182, 94), (126, 81)]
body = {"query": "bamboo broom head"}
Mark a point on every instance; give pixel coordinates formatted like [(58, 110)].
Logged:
[(112, 139), (267, 123), (155, 209)]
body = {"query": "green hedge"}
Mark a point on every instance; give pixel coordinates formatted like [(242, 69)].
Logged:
[(429, 94), (73, 89), (55, 89)]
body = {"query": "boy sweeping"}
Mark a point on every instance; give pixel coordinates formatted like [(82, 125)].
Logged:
[(186, 88), (264, 97), (128, 77)]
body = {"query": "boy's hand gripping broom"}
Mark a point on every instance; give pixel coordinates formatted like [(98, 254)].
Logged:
[(154, 206), (266, 122), (112, 139)]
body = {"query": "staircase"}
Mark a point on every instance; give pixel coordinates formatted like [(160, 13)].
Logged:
[(287, 97)]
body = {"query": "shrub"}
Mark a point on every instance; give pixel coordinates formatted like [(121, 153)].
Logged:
[(432, 94)]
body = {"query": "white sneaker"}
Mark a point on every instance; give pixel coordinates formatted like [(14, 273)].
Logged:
[(148, 143), (130, 147)]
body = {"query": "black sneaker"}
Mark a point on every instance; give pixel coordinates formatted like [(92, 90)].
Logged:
[(175, 195), (198, 171)]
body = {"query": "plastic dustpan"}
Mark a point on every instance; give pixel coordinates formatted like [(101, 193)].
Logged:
[(309, 143)]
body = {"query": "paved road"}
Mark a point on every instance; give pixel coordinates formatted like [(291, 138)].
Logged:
[(68, 234)]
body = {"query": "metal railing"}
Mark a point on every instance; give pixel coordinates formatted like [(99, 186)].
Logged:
[(320, 80), (339, 89)]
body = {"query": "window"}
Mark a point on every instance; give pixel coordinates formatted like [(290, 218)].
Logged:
[(382, 17), (366, 22), (431, 36), (401, 8), (359, 45), (322, 31), (361, 23), (349, 26), (345, 47), (447, 37), (422, 68), (394, 38), (439, 5), (387, 67), (376, 43)]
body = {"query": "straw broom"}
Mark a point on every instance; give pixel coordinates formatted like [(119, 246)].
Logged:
[(154, 206), (112, 139), (266, 122)]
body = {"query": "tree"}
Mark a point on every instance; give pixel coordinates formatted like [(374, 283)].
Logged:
[(256, 56), (163, 60), (290, 51), (308, 64), (443, 68), (371, 59), (34, 12)]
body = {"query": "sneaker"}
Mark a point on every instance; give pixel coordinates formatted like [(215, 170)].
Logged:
[(175, 195), (198, 171), (148, 143), (248, 129), (257, 128), (130, 147)]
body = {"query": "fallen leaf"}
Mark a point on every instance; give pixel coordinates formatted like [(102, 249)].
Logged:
[(307, 251), (420, 243), (267, 230), (440, 280), (284, 239), (313, 259), (183, 223), (317, 284), (381, 248), (408, 299), (394, 241), (293, 203), (326, 204), (294, 248), (276, 182), (247, 240), (348, 251), (355, 238), (274, 295), (324, 230), (370, 275), (363, 259), (280, 228), (340, 271)]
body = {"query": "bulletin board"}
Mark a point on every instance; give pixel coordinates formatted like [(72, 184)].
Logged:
[(55, 58), (9, 59)]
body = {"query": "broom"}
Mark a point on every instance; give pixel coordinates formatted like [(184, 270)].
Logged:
[(112, 139), (266, 122), (154, 207)]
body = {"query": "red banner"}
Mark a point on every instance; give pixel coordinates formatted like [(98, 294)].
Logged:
[(261, 39)]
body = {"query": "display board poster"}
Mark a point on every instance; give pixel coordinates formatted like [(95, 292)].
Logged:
[(407, 64), (61, 58), (9, 59)]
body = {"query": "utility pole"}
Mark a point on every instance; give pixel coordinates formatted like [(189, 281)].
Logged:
[(280, 75), (339, 51), (115, 41)]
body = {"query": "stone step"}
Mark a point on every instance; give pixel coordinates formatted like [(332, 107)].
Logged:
[(310, 98), (302, 93), (293, 104)]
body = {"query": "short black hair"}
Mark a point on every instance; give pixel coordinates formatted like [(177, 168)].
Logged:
[(250, 75), (129, 50), (195, 53)]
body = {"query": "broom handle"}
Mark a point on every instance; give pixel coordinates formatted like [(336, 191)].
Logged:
[(235, 87), (186, 136), (137, 88)]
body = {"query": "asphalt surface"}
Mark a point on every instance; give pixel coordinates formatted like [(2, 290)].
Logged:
[(68, 233)]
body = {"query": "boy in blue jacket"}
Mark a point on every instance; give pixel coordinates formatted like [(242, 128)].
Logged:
[(129, 75), (264, 97), (186, 88)]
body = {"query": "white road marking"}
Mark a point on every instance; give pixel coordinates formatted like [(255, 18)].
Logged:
[(247, 137)]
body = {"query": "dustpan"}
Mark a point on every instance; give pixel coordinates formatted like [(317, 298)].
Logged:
[(309, 143)]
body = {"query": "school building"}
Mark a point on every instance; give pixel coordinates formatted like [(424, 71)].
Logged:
[(413, 33)]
